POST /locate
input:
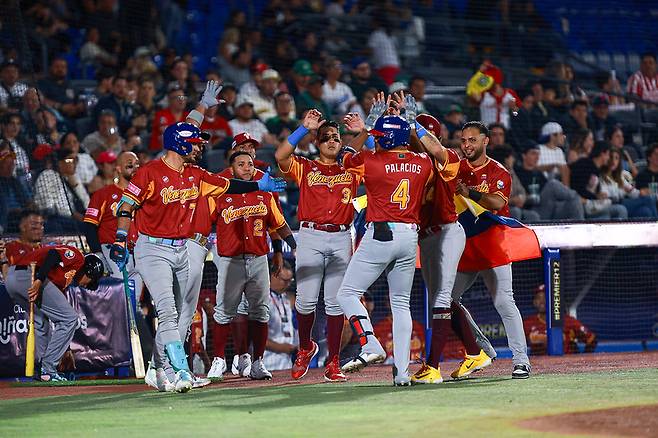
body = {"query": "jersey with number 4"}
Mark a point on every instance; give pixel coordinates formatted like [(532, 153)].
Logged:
[(325, 191), (491, 177), (243, 222), (396, 182)]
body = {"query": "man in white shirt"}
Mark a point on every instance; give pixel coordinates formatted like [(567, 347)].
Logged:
[(263, 100), (244, 120), (281, 342), (338, 95), (382, 46), (552, 160)]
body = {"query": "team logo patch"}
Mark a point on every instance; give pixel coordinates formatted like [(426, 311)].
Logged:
[(191, 178), (186, 134), (132, 188), (115, 196), (229, 199), (500, 184), (92, 211), (391, 126), (259, 197), (165, 179), (69, 254)]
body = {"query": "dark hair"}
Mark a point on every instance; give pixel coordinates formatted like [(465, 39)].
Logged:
[(649, 54), (6, 118), (235, 155), (286, 265), (27, 212), (610, 130), (107, 112), (578, 138), (105, 73), (599, 148), (651, 149), (326, 125), (416, 78), (577, 103), (602, 79), (62, 139), (477, 125), (501, 153), (497, 125), (118, 78)]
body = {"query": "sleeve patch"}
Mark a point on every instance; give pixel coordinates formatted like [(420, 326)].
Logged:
[(132, 188), (69, 254), (500, 184), (92, 212)]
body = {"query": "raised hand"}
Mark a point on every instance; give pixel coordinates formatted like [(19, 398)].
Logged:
[(210, 96), (377, 110), (354, 122), (312, 120)]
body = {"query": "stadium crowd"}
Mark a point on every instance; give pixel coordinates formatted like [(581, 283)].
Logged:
[(571, 159)]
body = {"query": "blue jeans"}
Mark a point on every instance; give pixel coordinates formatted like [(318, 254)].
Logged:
[(643, 206)]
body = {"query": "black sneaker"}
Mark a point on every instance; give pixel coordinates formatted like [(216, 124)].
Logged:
[(521, 372)]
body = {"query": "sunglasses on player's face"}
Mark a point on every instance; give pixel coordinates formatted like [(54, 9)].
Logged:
[(328, 137)]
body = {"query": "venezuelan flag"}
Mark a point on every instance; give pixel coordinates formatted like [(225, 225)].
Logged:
[(493, 240)]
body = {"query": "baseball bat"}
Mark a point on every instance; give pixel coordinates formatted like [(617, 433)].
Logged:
[(135, 344), (30, 347)]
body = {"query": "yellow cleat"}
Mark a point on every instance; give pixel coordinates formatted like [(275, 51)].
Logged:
[(427, 374), (470, 364)]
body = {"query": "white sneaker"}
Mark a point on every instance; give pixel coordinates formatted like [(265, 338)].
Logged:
[(258, 371), (183, 381), (363, 360), (401, 379), (200, 382), (241, 365), (157, 379), (217, 369)]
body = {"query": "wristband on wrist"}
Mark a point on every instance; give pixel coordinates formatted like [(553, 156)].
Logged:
[(420, 131), (297, 135), (121, 235), (277, 245), (370, 142), (124, 213), (474, 195), (196, 116)]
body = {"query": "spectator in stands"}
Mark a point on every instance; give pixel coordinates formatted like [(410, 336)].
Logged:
[(217, 126), (117, 103), (57, 91), (92, 53), (173, 113), (180, 74), (644, 83), (586, 180), (552, 159), (382, 48), (237, 71), (229, 96), (104, 79), (417, 86), (362, 79), (244, 121), (497, 134), (577, 118), (280, 346), (542, 111), (647, 180), (309, 47), (600, 120), (581, 143), (504, 154), (251, 87), (362, 108), (312, 98), (263, 99), (283, 124), (47, 131), (524, 126), (106, 176), (10, 124), (336, 94), (550, 198), (573, 331), (11, 89), (615, 136), (618, 184), (59, 193), (86, 169), (454, 120), (609, 85), (144, 109), (301, 75), (106, 137), (14, 195), (564, 92), (497, 101)]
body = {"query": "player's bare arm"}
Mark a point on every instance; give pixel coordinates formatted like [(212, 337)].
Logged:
[(311, 121), (490, 201), (354, 123)]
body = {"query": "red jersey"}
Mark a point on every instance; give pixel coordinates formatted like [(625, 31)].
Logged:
[(167, 197), (572, 332), (325, 191), (243, 221), (16, 250), (491, 177), (217, 127), (102, 212), (439, 207), (161, 120), (396, 182), (62, 274)]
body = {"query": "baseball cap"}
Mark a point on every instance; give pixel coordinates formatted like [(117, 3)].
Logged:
[(106, 157), (243, 100), (495, 73), (551, 128), (243, 138), (270, 73), (529, 145), (9, 62), (205, 136), (315, 79), (259, 67), (397, 86), (303, 68), (454, 108), (601, 99), (357, 61)]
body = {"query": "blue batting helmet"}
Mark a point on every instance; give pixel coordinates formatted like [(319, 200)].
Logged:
[(391, 131), (180, 136)]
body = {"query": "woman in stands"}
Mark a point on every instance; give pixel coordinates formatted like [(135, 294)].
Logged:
[(580, 145)]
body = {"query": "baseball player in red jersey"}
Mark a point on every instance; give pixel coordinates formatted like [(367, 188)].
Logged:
[(325, 215), (30, 224), (396, 180), (242, 268), (61, 265), (166, 192), (488, 183)]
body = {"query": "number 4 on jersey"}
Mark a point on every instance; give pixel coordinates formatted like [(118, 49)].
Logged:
[(400, 195)]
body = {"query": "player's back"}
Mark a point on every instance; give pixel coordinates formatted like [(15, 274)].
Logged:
[(396, 181)]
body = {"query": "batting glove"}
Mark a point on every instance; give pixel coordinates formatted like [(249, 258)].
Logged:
[(119, 252), (376, 111), (209, 97), (269, 184), (411, 109)]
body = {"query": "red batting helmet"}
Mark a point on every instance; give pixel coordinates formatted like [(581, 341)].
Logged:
[(430, 123)]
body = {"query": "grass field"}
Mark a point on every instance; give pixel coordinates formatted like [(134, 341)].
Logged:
[(485, 406)]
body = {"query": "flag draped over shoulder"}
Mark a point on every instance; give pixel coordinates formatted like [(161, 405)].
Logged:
[(493, 240)]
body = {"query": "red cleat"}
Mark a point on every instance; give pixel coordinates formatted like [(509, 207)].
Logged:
[(333, 373), (304, 358)]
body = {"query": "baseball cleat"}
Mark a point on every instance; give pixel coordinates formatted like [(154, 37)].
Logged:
[(332, 372), (470, 364), (157, 379), (51, 377), (303, 360), (217, 369), (200, 382), (521, 371), (258, 371), (363, 360), (183, 381), (400, 379), (241, 365), (426, 375)]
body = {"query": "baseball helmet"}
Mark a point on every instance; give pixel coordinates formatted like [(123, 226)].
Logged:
[(243, 138), (92, 268), (180, 136), (391, 131), (430, 123)]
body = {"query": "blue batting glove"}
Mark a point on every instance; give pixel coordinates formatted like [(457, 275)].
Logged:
[(119, 254), (270, 184)]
